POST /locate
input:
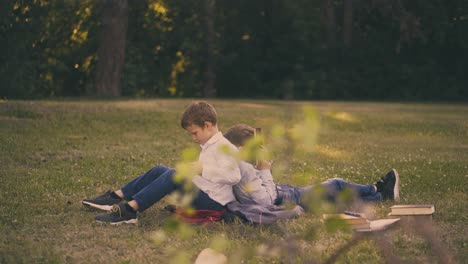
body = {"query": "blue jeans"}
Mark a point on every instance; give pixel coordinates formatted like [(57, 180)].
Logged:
[(331, 188), (150, 187)]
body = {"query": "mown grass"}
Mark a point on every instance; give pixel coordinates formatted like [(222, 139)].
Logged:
[(55, 153)]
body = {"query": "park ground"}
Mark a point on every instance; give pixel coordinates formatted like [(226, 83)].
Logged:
[(55, 153)]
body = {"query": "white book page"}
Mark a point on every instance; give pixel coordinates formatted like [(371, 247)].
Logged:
[(381, 224)]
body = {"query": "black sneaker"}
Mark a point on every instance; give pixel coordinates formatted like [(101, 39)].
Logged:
[(103, 202), (120, 214), (388, 186)]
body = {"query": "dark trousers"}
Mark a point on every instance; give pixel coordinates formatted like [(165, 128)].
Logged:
[(331, 189), (150, 187)]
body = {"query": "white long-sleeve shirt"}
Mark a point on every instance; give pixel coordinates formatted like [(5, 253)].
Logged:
[(256, 186), (220, 170)]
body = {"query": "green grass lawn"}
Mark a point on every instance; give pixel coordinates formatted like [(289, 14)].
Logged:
[(55, 153)]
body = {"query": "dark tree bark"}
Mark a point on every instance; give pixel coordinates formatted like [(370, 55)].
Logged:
[(111, 51), (329, 12), (348, 23), (209, 89)]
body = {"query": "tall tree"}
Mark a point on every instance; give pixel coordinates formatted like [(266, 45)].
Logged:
[(329, 19), (209, 89), (111, 51), (348, 22)]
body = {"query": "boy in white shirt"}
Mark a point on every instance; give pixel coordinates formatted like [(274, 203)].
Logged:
[(219, 173)]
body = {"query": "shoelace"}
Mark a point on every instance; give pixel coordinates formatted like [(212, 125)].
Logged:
[(116, 208)]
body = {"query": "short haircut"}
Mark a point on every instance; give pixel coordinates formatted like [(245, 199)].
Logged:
[(197, 113), (239, 134)]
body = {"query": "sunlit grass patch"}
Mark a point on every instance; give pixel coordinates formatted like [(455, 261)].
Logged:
[(331, 152), (341, 116)]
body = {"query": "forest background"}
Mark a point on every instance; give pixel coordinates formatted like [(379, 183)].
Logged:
[(316, 49)]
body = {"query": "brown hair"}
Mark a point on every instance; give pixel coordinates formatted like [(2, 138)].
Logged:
[(197, 113), (239, 134)]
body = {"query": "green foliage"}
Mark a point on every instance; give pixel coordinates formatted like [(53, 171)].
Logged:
[(400, 50)]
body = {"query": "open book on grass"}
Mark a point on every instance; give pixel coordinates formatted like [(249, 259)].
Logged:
[(378, 225), (360, 223), (357, 221), (412, 209)]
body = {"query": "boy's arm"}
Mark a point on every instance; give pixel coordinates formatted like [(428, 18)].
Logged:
[(264, 173), (267, 182), (255, 186)]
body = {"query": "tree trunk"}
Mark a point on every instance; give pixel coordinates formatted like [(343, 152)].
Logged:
[(111, 51), (348, 23), (329, 12), (209, 89)]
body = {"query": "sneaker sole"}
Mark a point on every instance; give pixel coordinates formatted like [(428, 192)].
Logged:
[(396, 189), (98, 206), (131, 221)]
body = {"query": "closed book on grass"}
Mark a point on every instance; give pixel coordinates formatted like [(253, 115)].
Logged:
[(412, 209)]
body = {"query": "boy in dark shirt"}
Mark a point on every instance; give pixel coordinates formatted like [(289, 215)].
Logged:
[(257, 185)]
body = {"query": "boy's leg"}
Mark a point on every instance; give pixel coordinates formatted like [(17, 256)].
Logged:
[(149, 195), (120, 213), (203, 202), (140, 182), (108, 199), (377, 197), (152, 193), (385, 189), (333, 187), (337, 185), (290, 194), (103, 202), (155, 190), (388, 186)]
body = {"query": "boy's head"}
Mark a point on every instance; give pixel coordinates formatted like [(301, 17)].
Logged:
[(200, 120), (239, 134)]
